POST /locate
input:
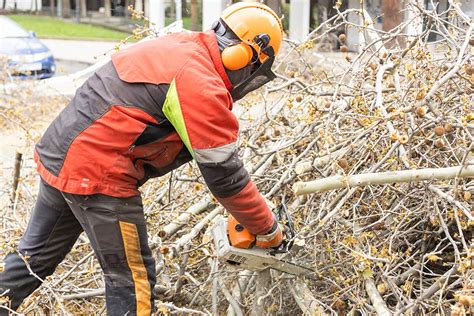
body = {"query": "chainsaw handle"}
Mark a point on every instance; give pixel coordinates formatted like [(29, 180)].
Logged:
[(240, 237)]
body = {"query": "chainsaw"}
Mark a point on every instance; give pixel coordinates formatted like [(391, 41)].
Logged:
[(235, 246)]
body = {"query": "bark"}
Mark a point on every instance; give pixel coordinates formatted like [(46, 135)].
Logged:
[(304, 298), (361, 180), (127, 4), (377, 302), (275, 5), (263, 283), (51, 7), (170, 229), (194, 15), (392, 16), (83, 8), (66, 8), (197, 228), (108, 8), (16, 174)]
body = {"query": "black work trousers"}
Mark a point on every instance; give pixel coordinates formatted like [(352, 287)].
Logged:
[(116, 229)]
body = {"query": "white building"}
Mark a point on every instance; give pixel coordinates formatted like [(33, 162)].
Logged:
[(23, 5)]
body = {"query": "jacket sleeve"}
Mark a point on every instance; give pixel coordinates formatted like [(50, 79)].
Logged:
[(199, 108), (230, 183)]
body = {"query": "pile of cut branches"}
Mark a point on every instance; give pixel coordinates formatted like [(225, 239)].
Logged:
[(373, 156)]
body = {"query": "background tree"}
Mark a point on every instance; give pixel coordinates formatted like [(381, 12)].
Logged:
[(108, 8), (66, 8), (83, 8), (52, 7)]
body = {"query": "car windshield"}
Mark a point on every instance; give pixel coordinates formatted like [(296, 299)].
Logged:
[(8, 28)]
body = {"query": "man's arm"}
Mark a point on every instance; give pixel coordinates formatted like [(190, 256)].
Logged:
[(230, 183), (199, 108)]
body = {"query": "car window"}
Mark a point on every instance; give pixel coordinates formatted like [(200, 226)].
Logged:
[(8, 28)]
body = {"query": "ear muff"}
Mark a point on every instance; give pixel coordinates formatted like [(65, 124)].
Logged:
[(236, 57)]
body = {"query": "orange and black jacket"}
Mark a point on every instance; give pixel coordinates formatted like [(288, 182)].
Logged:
[(154, 107)]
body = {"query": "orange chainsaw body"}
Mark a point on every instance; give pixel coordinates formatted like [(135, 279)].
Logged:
[(239, 236)]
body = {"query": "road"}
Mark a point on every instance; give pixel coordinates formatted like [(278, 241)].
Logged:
[(79, 51), (66, 67)]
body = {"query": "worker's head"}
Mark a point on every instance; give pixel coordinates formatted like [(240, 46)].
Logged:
[(249, 35)]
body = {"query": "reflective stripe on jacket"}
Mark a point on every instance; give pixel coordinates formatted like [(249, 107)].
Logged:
[(154, 107)]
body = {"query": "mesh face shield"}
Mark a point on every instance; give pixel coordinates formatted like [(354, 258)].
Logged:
[(262, 75)]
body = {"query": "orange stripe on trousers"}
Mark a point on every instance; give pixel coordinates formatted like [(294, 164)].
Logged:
[(135, 262)]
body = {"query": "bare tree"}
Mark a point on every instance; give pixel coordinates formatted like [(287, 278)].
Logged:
[(108, 8), (392, 16), (83, 8), (194, 15), (275, 5), (66, 8), (52, 7)]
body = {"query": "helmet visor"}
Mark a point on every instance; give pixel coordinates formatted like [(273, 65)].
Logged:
[(261, 76)]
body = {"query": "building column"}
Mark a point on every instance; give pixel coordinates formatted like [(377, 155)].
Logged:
[(179, 10), (211, 11), (59, 9), (299, 19), (353, 34), (156, 13), (138, 5), (415, 27)]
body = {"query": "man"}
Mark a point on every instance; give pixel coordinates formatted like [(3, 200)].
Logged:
[(154, 107)]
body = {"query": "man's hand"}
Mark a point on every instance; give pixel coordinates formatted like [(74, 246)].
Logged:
[(272, 239)]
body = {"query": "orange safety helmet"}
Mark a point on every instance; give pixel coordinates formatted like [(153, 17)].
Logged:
[(258, 27)]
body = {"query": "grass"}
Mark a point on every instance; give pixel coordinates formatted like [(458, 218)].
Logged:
[(186, 22), (48, 27)]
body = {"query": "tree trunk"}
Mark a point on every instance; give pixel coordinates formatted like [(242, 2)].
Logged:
[(275, 5), (126, 13), (108, 8), (66, 8), (77, 11), (52, 8), (194, 15), (83, 8), (392, 16)]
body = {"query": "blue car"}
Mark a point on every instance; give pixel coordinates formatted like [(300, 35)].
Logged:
[(26, 56)]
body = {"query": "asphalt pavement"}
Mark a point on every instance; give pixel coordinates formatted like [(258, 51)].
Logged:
[(79, 51)]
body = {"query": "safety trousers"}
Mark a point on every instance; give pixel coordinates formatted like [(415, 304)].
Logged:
[(116, 229)]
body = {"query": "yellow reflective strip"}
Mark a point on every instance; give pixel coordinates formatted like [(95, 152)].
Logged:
[(131, 243), (172, 111)]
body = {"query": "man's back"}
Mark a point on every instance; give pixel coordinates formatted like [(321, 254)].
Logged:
[(114, 134)]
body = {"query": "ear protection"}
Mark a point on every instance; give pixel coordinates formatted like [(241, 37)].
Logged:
[(237, 56)]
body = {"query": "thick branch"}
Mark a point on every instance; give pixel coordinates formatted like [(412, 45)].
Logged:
[(339, 182)]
